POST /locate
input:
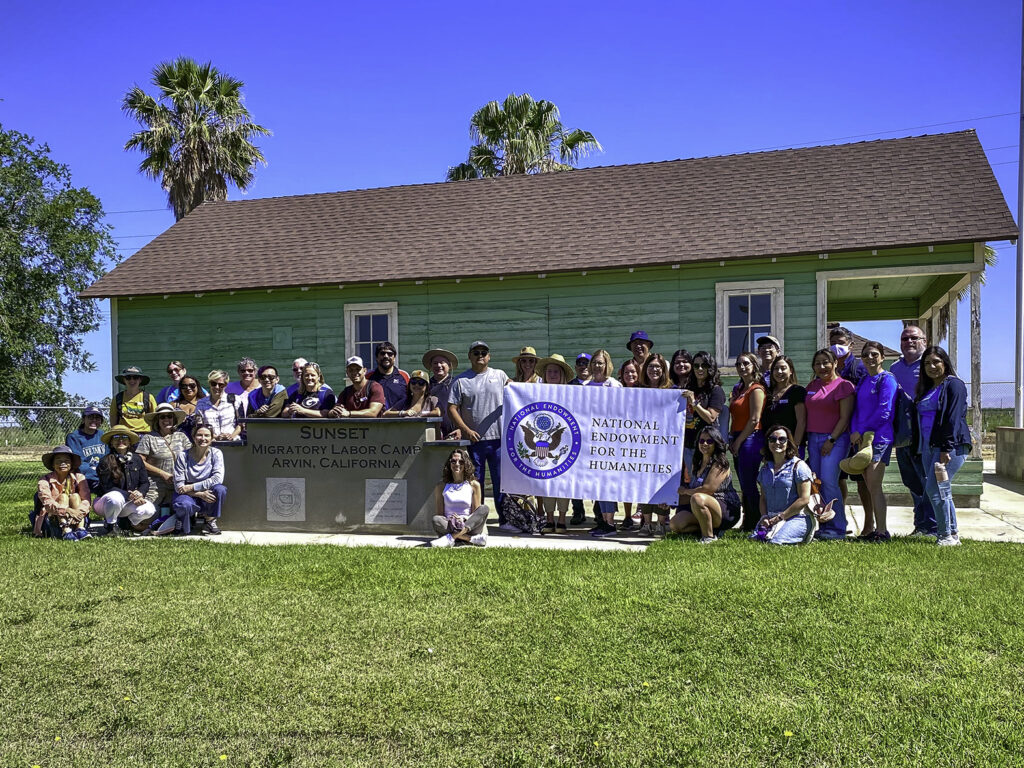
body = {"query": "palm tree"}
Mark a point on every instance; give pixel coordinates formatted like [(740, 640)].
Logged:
[(197, 134), (521, 135)]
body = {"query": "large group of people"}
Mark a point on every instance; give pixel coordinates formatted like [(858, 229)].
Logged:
[(793, 448)]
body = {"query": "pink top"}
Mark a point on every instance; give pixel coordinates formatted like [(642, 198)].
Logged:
[(822, 403)]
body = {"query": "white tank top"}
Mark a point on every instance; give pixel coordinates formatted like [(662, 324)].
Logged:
[(458, 499)]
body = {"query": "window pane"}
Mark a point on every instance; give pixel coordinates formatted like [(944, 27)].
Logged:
[(738, 309), (365, 351), (738, 341), (380, 328), (761, 309), (758, 331), (362, 328)]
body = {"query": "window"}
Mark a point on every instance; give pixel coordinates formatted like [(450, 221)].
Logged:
[(745, 312), (367, 325)]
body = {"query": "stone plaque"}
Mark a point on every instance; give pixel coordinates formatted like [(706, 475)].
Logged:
[(286, 499), (385, 502)]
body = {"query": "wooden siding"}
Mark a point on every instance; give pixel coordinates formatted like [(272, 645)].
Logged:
[(566, 313)]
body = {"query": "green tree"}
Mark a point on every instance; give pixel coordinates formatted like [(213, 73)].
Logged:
[(521, 135), (53, 244), (197, 135)]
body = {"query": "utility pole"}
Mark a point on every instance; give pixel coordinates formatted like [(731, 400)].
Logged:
[(1018, 374)]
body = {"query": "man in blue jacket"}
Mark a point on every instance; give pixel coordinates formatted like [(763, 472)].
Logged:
[(86, 441)]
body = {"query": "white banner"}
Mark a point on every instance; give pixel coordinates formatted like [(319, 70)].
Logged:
[(594, 443)]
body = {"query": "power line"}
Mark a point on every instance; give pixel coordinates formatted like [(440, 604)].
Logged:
[(140, 210)]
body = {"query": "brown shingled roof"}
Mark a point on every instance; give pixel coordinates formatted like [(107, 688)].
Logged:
[(899, 192)]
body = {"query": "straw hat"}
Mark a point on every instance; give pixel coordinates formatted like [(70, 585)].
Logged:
[(525, 352), (858, 462), (555, 359), (430, 354), (76, 460), (120, 429), (164, 409)]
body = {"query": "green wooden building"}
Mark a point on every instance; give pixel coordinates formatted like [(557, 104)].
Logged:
[(703, 253)]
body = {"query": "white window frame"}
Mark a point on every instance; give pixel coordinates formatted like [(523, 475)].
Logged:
[(377, 308), (777, 289)]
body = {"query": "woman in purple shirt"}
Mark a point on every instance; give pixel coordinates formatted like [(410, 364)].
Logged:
[(876, 399), (945, 438)]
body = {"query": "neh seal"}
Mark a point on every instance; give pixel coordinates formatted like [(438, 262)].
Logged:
[(543, 440)]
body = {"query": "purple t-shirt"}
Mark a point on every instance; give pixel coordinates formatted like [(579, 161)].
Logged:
[(321, 400)]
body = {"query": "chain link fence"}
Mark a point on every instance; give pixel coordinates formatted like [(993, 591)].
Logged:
[(26, 433)]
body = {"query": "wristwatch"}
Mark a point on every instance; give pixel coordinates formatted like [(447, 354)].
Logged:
[(831, 440)]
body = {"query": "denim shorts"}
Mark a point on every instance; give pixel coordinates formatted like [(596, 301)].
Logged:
[(881, 450)]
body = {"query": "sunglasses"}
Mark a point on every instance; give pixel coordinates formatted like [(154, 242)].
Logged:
[(418, 383), (163, 416), (248, 370), (119, 438), (706, 442), (132, 378), (480, 352), (778, 439), (188, 386), (268, 377), (700, 366), (217, 384)]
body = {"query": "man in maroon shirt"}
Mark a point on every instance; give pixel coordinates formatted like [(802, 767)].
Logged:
[(363, 399)]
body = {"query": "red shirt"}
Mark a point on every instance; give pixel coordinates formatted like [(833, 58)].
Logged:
[(360, 401)]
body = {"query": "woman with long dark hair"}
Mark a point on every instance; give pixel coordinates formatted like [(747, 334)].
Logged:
[(679, 370), (459, 512), (124, 483), (708, 504), (705, 401), (745, 437), (785, 480), (945, 438), (829, 406), (784, 402)]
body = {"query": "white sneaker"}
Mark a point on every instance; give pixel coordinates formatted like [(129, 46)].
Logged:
[(445, 541), (480, 540), (708, 539), (949, 541), (509, 528)]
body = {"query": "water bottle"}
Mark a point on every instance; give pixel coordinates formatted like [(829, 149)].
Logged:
[(940, 472)]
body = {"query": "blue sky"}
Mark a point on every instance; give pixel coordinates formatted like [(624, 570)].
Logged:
[(368, 95)]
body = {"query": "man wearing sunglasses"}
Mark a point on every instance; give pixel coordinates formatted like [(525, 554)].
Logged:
[(297, 365), (393, 380), (475, 409)]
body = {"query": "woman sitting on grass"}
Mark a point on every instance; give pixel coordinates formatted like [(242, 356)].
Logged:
[(62, 498), (710, 504), (124, 483), (785, 481), (459, 514)]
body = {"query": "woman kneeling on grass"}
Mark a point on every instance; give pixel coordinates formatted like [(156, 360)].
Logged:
[(710, 504), (199, 484), (785, 481), (459, 512), (62, 498)]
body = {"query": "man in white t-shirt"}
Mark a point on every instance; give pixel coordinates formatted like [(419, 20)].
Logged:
[(474, 406)]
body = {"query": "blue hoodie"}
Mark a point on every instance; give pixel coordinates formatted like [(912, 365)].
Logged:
[(91, 449)]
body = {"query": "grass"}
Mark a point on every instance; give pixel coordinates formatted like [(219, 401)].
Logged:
[(176, 653)]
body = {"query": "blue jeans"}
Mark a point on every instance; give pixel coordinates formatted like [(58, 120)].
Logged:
[(489, 452), (187, 507), (827, 469), (941, 494), (912, 474), (793, 531), (748, 462)]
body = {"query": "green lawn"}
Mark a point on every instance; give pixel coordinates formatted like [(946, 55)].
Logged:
[(178, 653)]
